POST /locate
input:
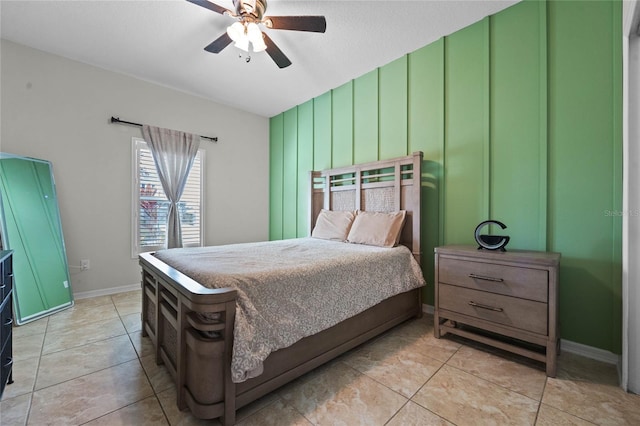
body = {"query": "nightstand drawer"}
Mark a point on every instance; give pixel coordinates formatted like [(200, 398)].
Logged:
[(6, 320), (514, 312), (501, 279), (6, 364)]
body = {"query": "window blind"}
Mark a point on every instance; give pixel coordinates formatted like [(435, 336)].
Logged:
[(153, 206)]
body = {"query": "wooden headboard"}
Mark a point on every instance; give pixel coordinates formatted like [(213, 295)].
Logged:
[(379, 186)]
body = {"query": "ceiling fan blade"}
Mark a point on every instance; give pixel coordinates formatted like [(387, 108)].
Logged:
[(218, 44), (316, 24), (211, 6), (276, 54)]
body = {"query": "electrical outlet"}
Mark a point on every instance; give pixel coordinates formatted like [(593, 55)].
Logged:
[(84, 264)]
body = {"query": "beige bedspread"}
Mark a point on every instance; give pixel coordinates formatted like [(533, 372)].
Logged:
[(291, 289)]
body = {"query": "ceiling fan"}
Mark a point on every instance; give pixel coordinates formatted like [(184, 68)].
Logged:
[(250, 13)]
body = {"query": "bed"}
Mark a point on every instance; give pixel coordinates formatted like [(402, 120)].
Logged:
[(193, 323)]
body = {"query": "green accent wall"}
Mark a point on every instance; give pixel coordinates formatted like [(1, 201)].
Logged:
[(392, 109), (519, 119), (305, 164), (426, 133), (466, 143), (322, 128), (585, 154), (276, 168), (519, 135), (342, 120), (365, 118), (290, 175)]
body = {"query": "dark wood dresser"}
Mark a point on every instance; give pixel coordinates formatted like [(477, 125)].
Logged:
[(505, 299), (6, 318)]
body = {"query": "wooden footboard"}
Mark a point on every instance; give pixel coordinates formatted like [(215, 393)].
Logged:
[(201, 365)]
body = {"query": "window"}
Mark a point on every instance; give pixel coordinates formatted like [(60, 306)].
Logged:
[(150, 205)]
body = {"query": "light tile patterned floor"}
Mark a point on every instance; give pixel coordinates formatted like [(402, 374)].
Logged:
[(90, 365)]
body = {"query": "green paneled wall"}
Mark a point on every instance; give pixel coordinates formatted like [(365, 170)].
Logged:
[(342, 120), (392, 109), (365, 118), (305, 164), (519, 117), (519, 135), (466, 163), (322, 132), (585, 176), (290, 175), (426, 133), (276, 168)]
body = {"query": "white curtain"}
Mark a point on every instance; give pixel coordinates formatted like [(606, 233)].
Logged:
[(173, 152)]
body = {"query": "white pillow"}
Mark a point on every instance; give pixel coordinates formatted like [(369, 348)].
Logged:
[(377, 229), (333, 225)]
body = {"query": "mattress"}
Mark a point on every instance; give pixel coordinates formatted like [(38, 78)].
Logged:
[(290, 289)]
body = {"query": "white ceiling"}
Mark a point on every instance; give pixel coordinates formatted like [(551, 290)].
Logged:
[(163, 42)]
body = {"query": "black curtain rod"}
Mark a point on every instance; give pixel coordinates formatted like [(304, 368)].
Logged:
[(117, 120)]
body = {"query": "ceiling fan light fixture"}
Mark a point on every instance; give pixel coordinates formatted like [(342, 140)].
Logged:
[(253, 32), (236, 31), (259, 45), (255, 37), (242, 44)]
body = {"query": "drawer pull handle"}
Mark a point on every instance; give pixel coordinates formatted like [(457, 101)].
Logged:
[(482, 277), (491, 308), (8, 363)]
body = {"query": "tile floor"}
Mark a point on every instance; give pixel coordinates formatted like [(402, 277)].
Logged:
[(90, 365)]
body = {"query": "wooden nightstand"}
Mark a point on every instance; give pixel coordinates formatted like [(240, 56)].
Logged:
[(513, 295)]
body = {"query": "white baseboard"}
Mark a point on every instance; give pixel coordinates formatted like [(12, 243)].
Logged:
[(589, 352), (569, 346), (427, 309), (106, 291)]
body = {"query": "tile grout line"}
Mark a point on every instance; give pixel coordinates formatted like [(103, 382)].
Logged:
[(34, 390), (397, 412), (495, 383), (139, 358), (35, 379), (540, 402), (408, 399), (87, 374), (425, 383)]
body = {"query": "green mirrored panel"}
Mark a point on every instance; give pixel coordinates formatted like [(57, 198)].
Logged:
[(31, 227)]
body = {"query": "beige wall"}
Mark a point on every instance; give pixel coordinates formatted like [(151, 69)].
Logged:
[(57, 109)]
